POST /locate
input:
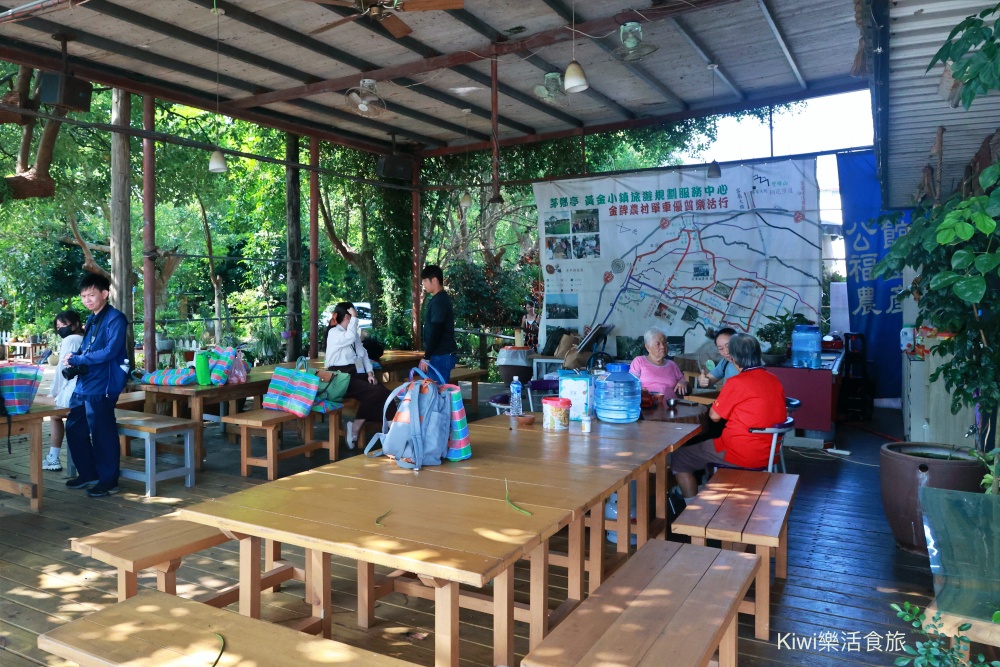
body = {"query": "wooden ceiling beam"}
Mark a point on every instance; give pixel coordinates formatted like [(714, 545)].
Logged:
[(451, 60), (782, 42)]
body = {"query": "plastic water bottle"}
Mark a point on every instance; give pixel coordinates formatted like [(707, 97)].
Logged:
[(618, 395), (806, 345), (515, 397)]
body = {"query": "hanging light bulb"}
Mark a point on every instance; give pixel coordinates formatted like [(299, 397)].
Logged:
[(465, 202), (217, 163), (714, 170)]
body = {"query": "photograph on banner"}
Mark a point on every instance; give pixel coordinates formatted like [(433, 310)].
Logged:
[(675, 249)]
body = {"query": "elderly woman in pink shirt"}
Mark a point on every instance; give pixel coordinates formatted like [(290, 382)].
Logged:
[(658, 374)]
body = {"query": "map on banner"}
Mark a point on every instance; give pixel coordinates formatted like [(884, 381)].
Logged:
[(680, 251)]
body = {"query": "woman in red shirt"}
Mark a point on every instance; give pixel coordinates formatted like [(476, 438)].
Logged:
[(752, 399)]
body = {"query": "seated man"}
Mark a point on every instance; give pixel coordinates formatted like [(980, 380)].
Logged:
[(754, 398)]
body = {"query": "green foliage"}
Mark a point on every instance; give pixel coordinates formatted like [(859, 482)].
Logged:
[(973, 49), (936, 650), (778, 332), (486, 297)]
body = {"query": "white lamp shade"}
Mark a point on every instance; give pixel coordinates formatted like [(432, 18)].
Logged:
[(466, 201), (217, 163), (575, 81), (714, 170)]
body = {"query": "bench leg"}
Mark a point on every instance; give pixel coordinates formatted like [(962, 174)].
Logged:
[(250, 576), (272, 454), (128, 584), (762, 593), (642, 509), (333, 438), (781, 554), (624, 526), (596, 546), (189, 458), (727, 647), (150, 463), (576, 561), (166, 576), (123, 443), (244, 449), (272, 554), (318, 588), (662, 473), (446, 625), (539, 597), (503, 618), (366, 594)]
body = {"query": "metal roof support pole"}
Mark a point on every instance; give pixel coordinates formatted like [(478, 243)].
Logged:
[(149, 250), (313, 248), (495, 132), (418, 163)]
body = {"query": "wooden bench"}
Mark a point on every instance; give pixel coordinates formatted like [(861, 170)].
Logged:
[(744, 507), (152, 429), (153, 628), (270, 423), (472, 376), (670, 604), (131, 400), (157, 543)]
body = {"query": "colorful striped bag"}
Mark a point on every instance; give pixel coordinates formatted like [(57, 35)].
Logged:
[(291, 390), (18, 386), (459, 445), (220, 361), (173, 377)]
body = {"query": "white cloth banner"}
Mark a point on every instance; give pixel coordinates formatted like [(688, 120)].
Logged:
[(680, 251)]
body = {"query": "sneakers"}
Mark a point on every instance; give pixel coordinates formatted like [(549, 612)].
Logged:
[(51, 463), (349, 438), (101, 490), (80, 483)]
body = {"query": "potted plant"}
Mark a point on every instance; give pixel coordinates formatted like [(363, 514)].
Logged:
[(266, 345), (778, 334), (936, 649)]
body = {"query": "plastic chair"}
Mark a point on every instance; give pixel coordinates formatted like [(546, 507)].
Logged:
[(546, 387), (501, 402), (777, 432)]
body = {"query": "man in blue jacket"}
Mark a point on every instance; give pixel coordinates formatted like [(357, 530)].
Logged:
[(101, 367)]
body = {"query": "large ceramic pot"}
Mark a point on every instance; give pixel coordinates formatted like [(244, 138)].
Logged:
[(905, 467)]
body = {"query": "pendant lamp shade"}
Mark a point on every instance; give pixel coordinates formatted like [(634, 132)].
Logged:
[(217, 163), (574, 80), (714, 170), (465, 202)]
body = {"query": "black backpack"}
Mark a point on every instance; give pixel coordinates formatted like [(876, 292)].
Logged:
[(374, 348)]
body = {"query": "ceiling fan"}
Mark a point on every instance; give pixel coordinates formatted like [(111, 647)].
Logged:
[(364, 99), (552, 90), (382, 12)]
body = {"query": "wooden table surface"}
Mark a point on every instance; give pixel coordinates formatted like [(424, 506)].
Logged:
[(682, 413), (29, 424)]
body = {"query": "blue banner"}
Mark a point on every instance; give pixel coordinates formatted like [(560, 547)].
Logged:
[(874, 310)]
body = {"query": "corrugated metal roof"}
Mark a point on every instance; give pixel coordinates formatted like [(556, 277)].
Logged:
[(178, 49)]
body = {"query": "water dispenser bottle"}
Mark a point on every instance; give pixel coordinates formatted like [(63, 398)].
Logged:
[(618, 395), (806, 344)]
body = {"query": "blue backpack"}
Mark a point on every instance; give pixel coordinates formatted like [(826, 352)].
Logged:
[(418, 435)]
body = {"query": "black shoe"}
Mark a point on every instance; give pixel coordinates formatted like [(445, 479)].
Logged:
[(80, 483), (102, 490)]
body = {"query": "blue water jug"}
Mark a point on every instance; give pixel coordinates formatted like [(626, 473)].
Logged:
[(806, 345), (617, 395)]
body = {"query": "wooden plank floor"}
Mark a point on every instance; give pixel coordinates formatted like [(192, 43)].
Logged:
[(844, 569)]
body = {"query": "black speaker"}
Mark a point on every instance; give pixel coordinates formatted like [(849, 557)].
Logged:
[(395, 167), (65, 91)]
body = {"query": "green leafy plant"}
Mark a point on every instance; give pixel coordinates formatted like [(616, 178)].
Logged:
[(266, 345), (936, 650), (973, 51), (778, 332)]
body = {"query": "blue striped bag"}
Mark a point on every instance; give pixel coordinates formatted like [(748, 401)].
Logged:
[(173, 377), (292, 390)]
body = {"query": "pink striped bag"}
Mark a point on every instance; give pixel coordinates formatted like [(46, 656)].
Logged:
[(292, 390), (174, 377)]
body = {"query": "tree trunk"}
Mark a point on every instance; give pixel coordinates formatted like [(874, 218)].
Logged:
[(293, 252), (220, 297), (122, 283)]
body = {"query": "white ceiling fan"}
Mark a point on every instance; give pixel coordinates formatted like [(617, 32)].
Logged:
[(364, 99)]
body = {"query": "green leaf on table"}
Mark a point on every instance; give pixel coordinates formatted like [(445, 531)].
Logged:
[(964, 231), (962, 259), (989, 176), (984, 223), (944, 279), (970, 289), (987, 262)]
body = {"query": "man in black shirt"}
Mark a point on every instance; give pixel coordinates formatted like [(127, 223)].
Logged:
[(439, 325)]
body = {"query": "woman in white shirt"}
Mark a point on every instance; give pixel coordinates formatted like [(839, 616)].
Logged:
[(345, 353), (69, 327)]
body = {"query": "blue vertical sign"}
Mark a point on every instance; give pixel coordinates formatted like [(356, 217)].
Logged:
[(874, 310)]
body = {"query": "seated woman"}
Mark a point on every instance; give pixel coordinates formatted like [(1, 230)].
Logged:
[(658, 374), (725, 368), (345, 353), (754, 398)]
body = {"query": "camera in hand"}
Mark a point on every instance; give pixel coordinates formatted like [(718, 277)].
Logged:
[(71, 372)]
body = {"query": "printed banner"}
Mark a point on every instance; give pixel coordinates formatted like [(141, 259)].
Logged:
[(873, 307), (678, 250)]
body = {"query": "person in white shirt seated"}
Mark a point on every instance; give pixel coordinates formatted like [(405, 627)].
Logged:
[(345, 353)]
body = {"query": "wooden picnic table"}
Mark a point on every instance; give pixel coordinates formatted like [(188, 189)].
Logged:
[(29, 424), (199, 396), (25, 352), (682, 413)]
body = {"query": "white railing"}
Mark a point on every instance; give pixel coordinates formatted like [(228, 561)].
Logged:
[(5, 337)]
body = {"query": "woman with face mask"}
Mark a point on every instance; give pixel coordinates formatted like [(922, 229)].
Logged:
[(70, 328)]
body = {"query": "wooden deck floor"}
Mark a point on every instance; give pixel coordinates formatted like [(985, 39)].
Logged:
[(844, 569)]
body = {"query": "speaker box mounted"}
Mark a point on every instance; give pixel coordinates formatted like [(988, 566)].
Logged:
[(395, 167), (62, 90)]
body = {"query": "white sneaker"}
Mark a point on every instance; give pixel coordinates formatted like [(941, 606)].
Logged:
[(51, 463), (348, 436)]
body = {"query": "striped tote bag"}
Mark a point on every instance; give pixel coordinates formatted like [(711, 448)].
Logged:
[(18, 386), (292, 390)]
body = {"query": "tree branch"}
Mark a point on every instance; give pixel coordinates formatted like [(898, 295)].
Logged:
[(89, 264)]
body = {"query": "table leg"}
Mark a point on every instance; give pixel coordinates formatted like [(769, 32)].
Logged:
[(128, 584), (475, 396), (503, 618), (250, 576), (576, 560), (596, 546), (642, 509), (624, 519), (762, 595), (446, 624), (35, 462), (197, 405), (727, 647), (366, 594), (318, 574), (272, 555), (781, 554), (166, 576), (662, 474), (272, 454), (539, 595)]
